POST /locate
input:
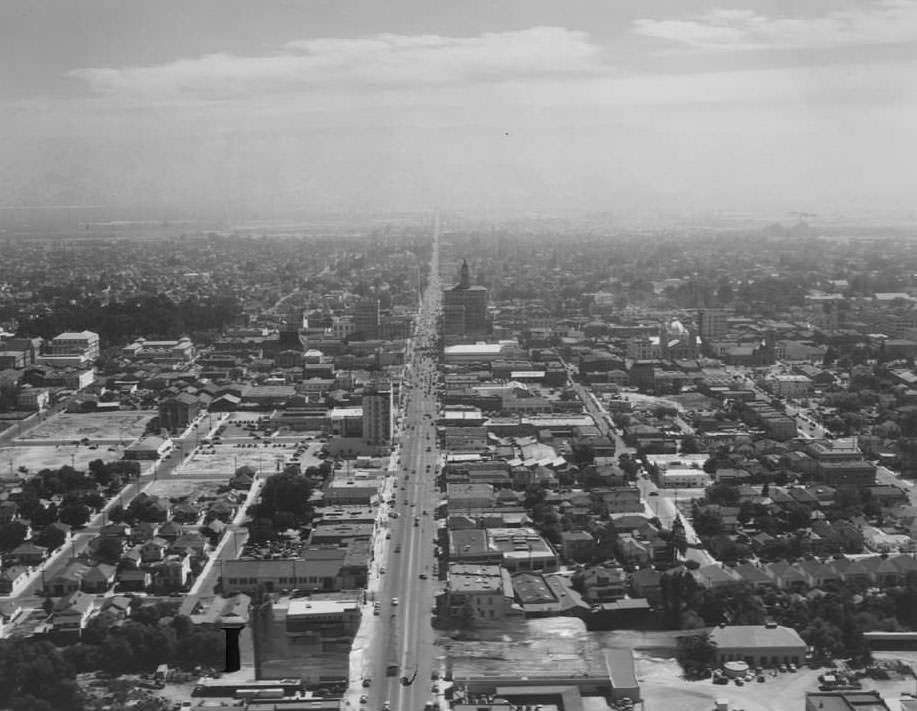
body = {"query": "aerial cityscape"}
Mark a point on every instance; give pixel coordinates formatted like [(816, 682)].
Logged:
[(517, 356)]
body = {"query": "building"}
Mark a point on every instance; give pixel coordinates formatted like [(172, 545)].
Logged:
[(470, 496), (787, 385), (577, 546), (366, 319), (83, 343), (148, 448), (72, 612), (759, 645), (378, 417), (30, 398), (465, 308), (849, 701), (478, 592), (172, 352), (315, 569), (177, 412), (711, 323), (327, 619), (357, 488)]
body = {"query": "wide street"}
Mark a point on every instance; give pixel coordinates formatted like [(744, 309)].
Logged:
[(399, 654)]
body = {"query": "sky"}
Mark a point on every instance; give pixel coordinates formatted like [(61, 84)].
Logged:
[(267, 107)]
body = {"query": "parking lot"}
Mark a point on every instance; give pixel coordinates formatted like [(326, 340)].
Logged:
[(37, 457), (64, 427), (220, 461), (662, 686)]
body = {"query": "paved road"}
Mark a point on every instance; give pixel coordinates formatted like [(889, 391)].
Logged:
[(403, 637)]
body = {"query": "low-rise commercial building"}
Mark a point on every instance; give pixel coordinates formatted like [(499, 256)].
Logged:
[(759, 645)]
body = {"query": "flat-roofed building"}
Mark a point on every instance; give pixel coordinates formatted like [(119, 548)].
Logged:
[(759, 645), (478, 592), (378, 416), (82, 343), (328, 619), (314, 569), (355, 488)]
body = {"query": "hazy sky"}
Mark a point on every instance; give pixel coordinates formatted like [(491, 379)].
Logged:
[(271, 105)]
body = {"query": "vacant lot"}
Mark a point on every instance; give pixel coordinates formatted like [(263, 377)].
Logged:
[(220, 461), (181, 488), (122, 426), (37, 457)]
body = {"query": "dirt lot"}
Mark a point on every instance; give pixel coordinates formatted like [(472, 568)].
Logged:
[(219, 461), (38, 457), (107, 426), (176, 489)]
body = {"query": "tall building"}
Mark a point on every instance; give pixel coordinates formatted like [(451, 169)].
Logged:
[(711, 323), (378, 416), (366, 318), (465, 307), (84, 343)]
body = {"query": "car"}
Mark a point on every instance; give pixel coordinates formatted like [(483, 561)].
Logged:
[(792, 668), (654, 493), (739, 682), (387, 706), (760, 678), (782, 667), (398, 548), (395, 602), (367, 683), (423, 576), (364, 699)]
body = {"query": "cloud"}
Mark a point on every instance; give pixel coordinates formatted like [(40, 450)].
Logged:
[(383, 61), (879, 22)]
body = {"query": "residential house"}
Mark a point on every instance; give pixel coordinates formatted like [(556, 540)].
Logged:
[(173, 572), (852, 572), (818, 574), (153, 550), (68, 581), (142, 531), (193, 543), (170, 530), (99, 578), (786, 576), (713, 577), (13, 579), (29, 554), (883, 572), (71, 613), (753, 576), (134, 580)]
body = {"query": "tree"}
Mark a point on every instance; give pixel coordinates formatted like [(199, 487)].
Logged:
[(261, 530), (695, 652), (53, 538), (583, 454), (12, 534), (74, 513), (708, 522), (628, 464)]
